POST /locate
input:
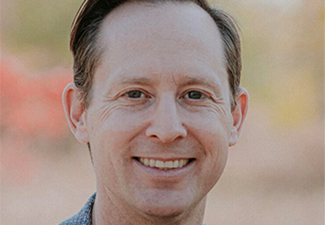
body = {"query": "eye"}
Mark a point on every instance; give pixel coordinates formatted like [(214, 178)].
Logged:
[(194, 95), (135, 94)]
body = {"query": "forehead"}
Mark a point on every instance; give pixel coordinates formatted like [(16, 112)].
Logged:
[(165, 38), (158, 16), (180, 25)]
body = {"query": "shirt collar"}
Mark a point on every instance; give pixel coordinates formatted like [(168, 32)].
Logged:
[(84, 215)]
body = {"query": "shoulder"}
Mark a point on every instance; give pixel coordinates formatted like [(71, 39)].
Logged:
[(83, 217)]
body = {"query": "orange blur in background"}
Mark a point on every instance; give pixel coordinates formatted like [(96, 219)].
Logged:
[(274, 175)]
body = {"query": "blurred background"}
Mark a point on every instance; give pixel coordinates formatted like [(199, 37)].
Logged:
[(275, 174)]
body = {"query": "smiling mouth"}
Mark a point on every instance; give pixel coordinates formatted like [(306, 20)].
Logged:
[(164, 165)]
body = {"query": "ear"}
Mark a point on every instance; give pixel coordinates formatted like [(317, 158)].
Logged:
[(238, 115), (75, 113)]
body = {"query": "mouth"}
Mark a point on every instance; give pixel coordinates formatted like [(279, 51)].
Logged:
[(164, 164)]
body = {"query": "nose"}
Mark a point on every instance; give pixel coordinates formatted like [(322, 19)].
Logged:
[(166, 124)]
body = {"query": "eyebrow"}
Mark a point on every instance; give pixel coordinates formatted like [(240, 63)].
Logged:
[(135, 80), (186, 80), (205, 81), (124, 79)]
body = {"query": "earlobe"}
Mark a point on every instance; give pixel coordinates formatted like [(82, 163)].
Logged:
[(238, 115), (75, 113)]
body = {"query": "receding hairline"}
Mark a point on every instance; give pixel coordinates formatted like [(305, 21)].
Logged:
[(153, 4), (86, 27), (115, 17)]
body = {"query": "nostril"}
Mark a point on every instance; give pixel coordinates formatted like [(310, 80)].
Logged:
[(167, 133), (166, 123)]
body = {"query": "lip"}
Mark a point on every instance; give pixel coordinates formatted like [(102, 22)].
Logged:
[(160, 174)]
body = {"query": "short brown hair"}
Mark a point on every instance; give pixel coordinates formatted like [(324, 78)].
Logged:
[(87, 54)]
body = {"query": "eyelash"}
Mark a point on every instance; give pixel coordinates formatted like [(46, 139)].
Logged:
[(132, 92), (143, 94), (201, 95)]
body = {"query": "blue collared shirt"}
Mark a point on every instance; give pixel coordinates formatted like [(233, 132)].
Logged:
[(83, 217)]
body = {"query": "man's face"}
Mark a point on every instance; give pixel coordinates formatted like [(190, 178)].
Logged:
[(160, 99)]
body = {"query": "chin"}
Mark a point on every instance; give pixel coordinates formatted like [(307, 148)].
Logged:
[(164, 212), (164, 207), (164, 215)]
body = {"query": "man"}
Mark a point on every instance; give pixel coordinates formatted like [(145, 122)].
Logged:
[(156, 97)]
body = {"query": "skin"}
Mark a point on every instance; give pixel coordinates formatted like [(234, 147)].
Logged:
[(161, 92)]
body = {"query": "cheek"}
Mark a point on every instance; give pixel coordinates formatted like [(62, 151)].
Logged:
[(111, 138), (212, 132), (116, 124), (213, 141), (210, 124)]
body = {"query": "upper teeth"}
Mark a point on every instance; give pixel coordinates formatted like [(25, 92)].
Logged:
[(164, 164)]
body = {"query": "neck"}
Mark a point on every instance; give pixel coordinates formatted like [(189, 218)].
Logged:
[(109, 210)]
